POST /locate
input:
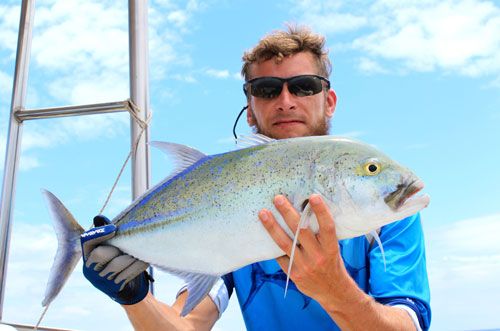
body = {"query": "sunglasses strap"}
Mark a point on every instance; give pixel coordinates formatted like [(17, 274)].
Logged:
[(236, 122)]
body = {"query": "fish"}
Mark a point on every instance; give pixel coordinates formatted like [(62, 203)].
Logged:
[(201, 222)]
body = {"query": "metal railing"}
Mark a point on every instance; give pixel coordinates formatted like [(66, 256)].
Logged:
[(139, 96)]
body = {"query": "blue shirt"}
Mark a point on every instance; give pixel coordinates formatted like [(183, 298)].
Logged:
[(260, 286)]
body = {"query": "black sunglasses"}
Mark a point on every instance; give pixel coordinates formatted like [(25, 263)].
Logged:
[(271, 87)]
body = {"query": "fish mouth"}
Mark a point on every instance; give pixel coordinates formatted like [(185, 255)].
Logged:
[(405, 196)]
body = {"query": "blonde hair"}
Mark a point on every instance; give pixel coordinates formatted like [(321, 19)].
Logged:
[(280, 44)]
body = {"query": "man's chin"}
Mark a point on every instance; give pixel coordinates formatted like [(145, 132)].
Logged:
[(293, 132), (285, 134)]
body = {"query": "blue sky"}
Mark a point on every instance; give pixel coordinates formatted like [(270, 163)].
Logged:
[(418, 79)]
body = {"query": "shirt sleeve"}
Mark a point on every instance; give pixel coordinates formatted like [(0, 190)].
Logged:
[(413, 316), (403, 279), (219, 295)]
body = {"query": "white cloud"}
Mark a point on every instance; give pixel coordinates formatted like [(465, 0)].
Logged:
[(178, 17), (77, 33), (352, 134), (329, 16), (3, 142), (238, 76), (222, 74), (102, 87), (5, 88), (51, 134), (28, 162), (452, 35), (9, 23), (119, 200), (464, 268), (188, 78), (370, 66), (177, 14), (169, 22), (210, 72), (472, 237), (82, 128), (456, 35), (217, 73)]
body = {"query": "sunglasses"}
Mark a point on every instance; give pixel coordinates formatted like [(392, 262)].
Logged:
[(271, 87)]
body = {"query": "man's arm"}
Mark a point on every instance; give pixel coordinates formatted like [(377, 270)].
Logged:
[(151, 314), (122, 278), (319, 272)]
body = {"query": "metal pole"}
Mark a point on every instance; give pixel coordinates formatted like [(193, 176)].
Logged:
[(139, 94), (13, 149), (91, 109)]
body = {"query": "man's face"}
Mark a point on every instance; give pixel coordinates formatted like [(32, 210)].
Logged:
[(287, 115)]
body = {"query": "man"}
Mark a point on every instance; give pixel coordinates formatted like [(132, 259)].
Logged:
[(336, 284)]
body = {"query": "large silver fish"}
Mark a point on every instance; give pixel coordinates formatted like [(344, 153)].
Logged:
[(201, 222)]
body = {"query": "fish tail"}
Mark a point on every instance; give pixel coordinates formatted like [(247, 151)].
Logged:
[(69, 251)]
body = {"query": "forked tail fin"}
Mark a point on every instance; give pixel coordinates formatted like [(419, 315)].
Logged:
[(68, 253)]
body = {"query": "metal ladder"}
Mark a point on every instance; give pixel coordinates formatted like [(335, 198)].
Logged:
[(139, 96)]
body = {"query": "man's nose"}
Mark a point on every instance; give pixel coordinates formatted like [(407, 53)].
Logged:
[(285, 99)]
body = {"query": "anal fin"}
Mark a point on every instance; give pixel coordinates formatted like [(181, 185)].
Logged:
[(198, 286)]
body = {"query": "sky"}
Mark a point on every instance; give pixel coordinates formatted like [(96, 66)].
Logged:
[(418, 79)]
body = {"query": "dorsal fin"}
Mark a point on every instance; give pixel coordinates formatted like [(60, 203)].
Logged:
[(182, 155), (254, 139)]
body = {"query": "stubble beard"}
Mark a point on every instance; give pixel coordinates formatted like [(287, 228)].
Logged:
[(319, 129)]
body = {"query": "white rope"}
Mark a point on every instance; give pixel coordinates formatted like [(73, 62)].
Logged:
[(134, 111), (41, 317)]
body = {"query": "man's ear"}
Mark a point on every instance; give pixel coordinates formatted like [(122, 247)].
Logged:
[(331, 102), (250, 117)]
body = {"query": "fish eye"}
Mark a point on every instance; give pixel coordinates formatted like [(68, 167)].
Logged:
[(372, 168)]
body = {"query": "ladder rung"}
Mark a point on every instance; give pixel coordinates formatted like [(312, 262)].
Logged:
[(98, 108)]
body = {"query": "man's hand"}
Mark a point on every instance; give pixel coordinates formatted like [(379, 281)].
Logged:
[(318, 269), (122, 277), (319, 272)]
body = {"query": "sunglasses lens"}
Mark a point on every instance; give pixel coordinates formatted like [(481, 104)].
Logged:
[(266, 87), (271, 87), (303, 86)]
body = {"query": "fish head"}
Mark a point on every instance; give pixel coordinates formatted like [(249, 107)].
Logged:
[(367, 189)]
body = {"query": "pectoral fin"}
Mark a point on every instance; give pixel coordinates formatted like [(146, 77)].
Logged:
[(305, 220), (374, 235)]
